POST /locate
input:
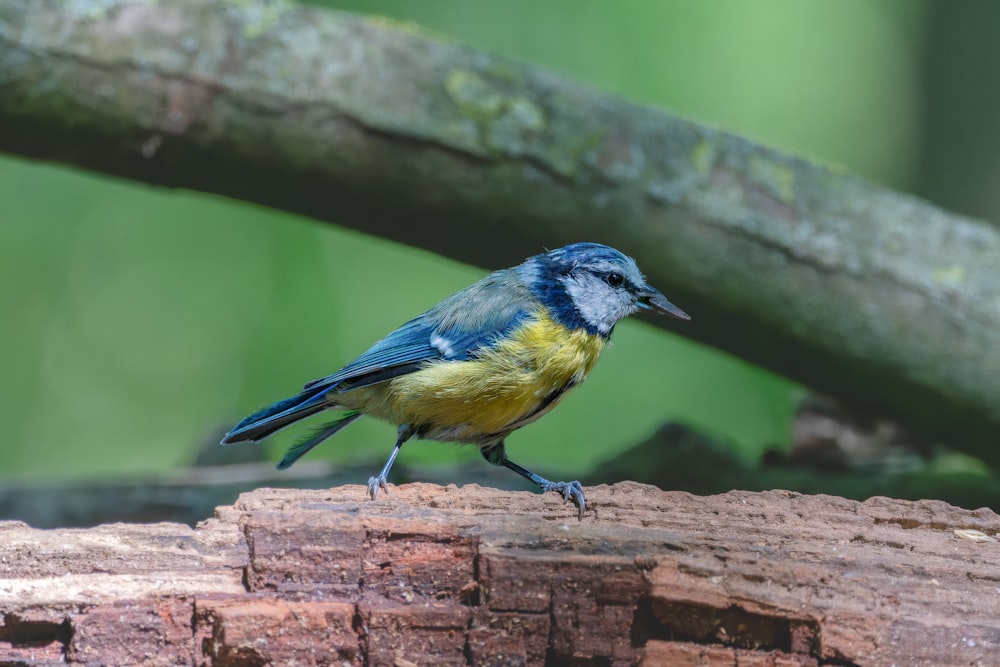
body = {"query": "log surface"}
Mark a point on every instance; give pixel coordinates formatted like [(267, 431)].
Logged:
[(476, 576)]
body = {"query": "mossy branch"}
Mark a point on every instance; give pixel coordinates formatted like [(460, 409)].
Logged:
[(858, 291)]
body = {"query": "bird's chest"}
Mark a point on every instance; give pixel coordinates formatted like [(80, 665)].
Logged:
[(546, 357)]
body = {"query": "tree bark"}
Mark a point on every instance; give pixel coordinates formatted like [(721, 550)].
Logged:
[(863, 293), (476, 576)]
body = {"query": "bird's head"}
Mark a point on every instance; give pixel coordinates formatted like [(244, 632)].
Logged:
[(593, 286)]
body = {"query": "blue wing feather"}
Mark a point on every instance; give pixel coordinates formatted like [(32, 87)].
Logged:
[(407, 345), (453, 330)]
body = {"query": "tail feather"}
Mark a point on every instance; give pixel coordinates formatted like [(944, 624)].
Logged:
[(273, 418), (300, 449)]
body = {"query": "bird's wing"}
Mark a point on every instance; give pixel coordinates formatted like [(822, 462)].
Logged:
[(453, 330)]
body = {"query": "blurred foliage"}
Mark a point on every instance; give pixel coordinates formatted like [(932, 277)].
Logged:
[(141, 323)]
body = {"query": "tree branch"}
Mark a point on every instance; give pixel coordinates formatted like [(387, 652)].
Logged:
[(860, 292)]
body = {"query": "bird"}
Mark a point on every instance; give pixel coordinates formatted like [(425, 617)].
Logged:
[(480, 364)]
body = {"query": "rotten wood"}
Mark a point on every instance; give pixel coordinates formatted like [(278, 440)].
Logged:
[(477, 576), (867, 294)]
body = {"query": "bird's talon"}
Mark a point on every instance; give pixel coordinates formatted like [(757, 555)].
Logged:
[(569, 491), (374, 484)]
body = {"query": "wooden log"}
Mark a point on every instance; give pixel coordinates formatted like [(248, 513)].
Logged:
[(477, 576)]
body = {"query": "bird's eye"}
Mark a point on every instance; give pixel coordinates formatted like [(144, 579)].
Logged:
[(615, 279)]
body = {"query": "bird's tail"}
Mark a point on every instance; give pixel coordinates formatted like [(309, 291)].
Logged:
[(298, 450), (275, 417)]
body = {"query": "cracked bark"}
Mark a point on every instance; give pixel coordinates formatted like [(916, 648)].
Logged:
[(858, 291), (477, 576)]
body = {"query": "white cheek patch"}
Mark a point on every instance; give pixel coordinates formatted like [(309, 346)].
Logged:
[(596, 302)]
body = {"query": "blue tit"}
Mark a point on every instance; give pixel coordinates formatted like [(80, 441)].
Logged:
[(482, 363)]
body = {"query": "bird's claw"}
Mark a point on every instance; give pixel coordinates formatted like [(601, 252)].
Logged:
[(569, 490), (376, 483)]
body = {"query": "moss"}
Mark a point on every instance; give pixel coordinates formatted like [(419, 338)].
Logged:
[(703, 157), (950, 276), (258, 17), (518, 117), (503, 121), (504, 72), (778, 179), (410, 27), (472, 94), (526, 114)]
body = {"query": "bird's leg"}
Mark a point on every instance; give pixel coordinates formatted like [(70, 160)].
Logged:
[(497, 455), (380, 482)]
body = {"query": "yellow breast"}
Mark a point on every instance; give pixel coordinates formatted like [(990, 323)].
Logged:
[(506, 386)]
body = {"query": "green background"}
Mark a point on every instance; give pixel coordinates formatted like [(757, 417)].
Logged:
[(140, 323)]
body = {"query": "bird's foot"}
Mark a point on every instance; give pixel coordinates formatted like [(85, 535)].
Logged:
[(568, 490), (376, 483)]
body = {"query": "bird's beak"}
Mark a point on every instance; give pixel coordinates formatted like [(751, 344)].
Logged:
[(651, 299)]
